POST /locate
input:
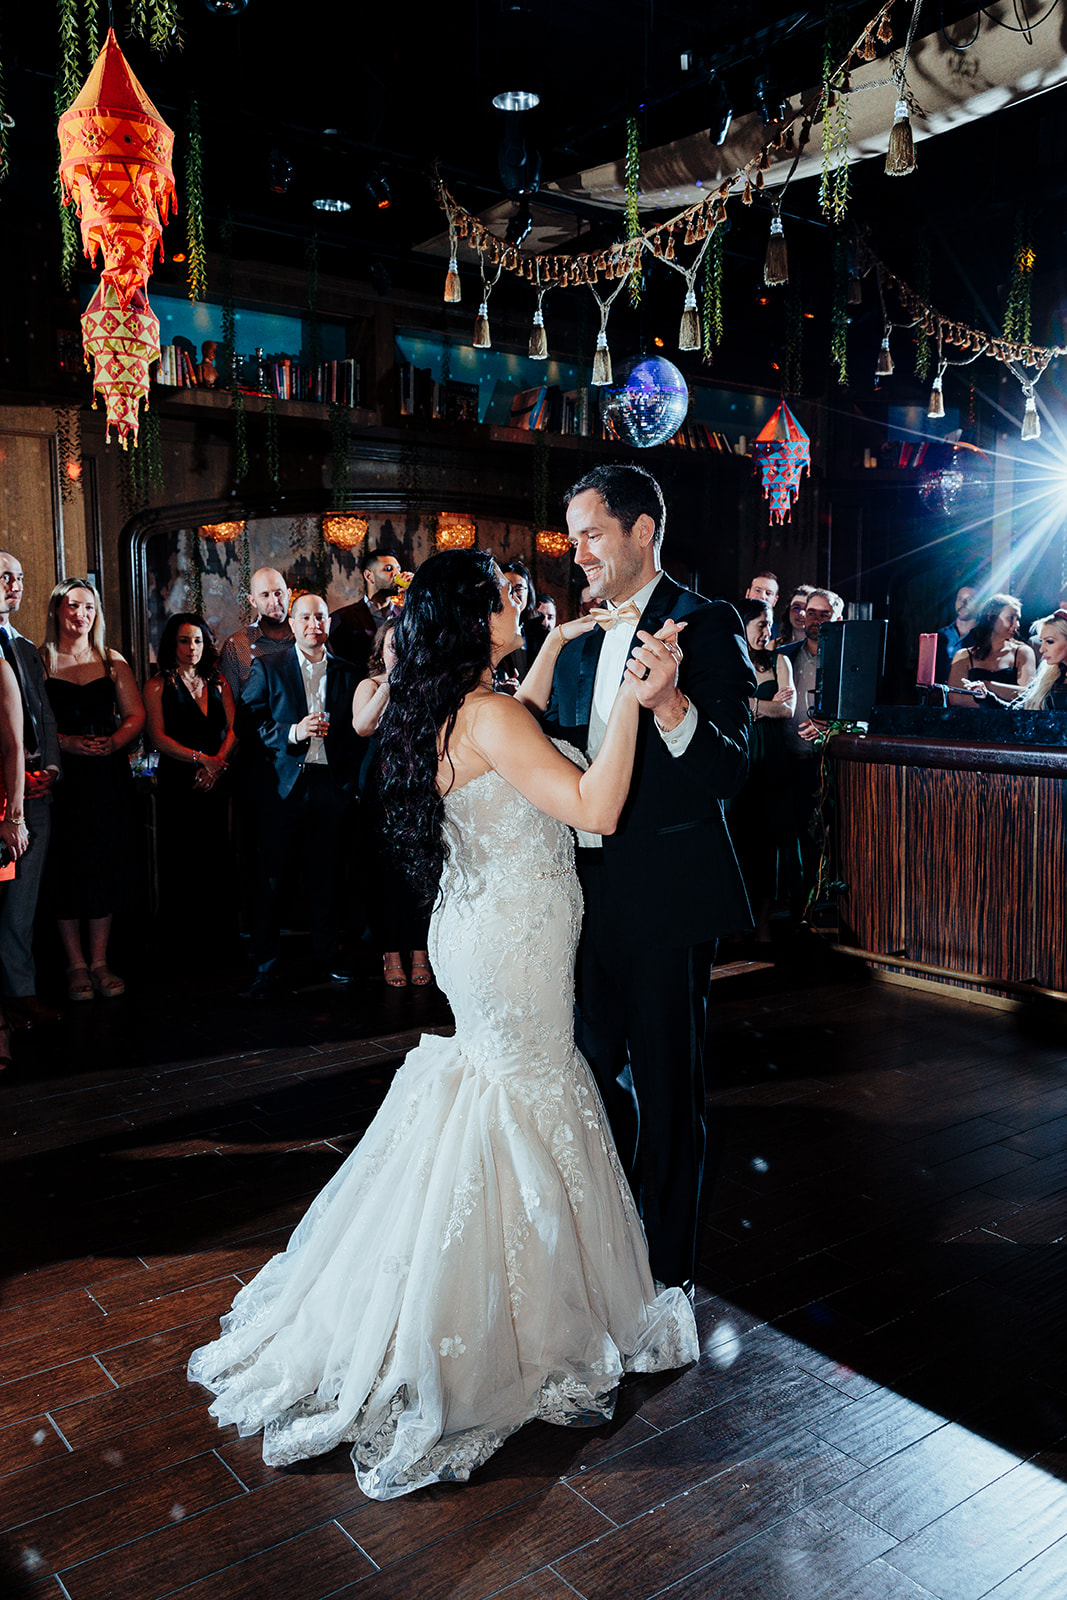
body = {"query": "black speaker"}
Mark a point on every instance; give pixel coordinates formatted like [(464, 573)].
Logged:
[(851, 660)]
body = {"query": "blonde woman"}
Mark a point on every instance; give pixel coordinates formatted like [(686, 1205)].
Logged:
[(99, 714)]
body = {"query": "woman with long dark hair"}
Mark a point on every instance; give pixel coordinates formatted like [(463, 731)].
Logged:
[(190, 713), (994, 657), (1047, 689), (478, 1261)]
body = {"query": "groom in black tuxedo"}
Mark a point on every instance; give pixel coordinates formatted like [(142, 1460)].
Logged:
[(665, 885)]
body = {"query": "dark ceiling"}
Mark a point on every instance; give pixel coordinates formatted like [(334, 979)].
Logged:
[(402, 88)]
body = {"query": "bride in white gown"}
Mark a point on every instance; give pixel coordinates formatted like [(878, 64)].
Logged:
[(478, 1261)]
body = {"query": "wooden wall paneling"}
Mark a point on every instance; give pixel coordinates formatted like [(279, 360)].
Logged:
[(31, 517), (1050, 883), (968, 871), (872, 841)]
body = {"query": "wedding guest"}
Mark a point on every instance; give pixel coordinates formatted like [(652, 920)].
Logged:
[(268, 634), (994, 656), (956, 634), (354, 628), (546, 607), (514, 667), (190, 713), (99, 714), (792, 631), (14, 836), (41, 746), (397, 923)]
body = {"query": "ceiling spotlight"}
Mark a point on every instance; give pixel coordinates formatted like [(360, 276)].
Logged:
[(378, 190), (279, 172), (720, 110), (769, 99), (520, 223), (331, 205), (516, 100), (519, 167)]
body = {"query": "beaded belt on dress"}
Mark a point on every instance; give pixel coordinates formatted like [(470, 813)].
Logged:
[(557, 872)]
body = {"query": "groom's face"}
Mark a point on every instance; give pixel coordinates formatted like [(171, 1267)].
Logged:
[(614, 561)]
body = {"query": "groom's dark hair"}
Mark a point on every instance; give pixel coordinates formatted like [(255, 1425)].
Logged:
[(628, 492)]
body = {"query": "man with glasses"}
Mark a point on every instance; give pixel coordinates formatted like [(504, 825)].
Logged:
[(19, 905)]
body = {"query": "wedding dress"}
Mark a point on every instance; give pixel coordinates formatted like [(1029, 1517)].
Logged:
[(478, 1261)]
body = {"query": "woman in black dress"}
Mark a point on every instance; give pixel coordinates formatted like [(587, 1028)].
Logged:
[(99, 714), (994, 657), (1047, 690), (190, 722)]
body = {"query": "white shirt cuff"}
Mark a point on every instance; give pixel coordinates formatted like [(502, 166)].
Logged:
[(678, 739)]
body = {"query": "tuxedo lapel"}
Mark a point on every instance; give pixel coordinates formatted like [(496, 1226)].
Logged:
[(591, 647), (660, 606)]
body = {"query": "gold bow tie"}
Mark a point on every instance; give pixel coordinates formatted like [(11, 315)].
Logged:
[(611, 614)]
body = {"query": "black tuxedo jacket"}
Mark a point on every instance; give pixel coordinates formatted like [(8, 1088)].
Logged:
[(275, 698), (671, 849), (353, 629)]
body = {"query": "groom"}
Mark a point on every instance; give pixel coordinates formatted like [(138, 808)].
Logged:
[(665, 885)]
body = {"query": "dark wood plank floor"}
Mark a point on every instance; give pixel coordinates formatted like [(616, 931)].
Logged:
[(879, 1413)]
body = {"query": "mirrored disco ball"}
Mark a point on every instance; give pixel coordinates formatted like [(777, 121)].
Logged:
[(647, 402)]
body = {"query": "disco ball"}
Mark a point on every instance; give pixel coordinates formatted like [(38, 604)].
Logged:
[(647, 402), (955, 477)]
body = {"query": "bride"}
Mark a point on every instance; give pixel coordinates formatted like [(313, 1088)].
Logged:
[(478, 1261)]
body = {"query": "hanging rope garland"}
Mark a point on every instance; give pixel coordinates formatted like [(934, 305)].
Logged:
[(482, 337), (900, 157), (689, 337), (538, 348), (602, 357)]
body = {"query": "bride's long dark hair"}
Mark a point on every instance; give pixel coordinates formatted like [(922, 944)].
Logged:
[(443, 647)]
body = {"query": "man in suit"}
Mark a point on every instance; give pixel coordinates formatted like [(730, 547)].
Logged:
[(665, 885), (301, 702), (19, 905), (353, 628)]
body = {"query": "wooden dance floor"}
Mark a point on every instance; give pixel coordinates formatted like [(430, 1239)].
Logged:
[(880, 1411)]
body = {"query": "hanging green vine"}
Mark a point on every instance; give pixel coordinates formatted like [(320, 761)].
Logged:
[(1017, 317), (166, 26), (229, 372), (834, 183), (792, 366), (339, 440), (138, 23), (323, 560), (68, 83), (711, 284), (311, 259), (3, 126), (274, 457), (193, 571), (924, 344), (539, 484), (195, 254), (91, 12), (246, 571), (633, 214), (839, 312), (146, 457)]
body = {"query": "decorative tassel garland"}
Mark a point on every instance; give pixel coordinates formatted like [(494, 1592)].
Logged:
[(1031, 428), (482, 341), (900, 158), (538, 350), (936, 408), (601, 362), (453, 290), (776, 266), (689, 332), (884, 365)]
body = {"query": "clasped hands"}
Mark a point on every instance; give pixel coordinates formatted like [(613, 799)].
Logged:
[(652, 669)]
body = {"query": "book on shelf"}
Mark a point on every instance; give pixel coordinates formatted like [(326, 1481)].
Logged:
[(328, 382), (528, 408)]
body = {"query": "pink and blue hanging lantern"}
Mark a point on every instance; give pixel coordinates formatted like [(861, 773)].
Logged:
[(783, 454)]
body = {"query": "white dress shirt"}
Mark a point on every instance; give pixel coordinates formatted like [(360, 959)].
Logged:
[(314, 676), (611, 664)]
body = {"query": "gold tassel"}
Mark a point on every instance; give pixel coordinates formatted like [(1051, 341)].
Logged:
[(482, 340), (885, 29), (884, 365), (868, 50), (453, 292), (538, 350), (936, 408), (776, 266), (746, 194), (900, 158), (689, 332), (601, 362), (1031, 421)]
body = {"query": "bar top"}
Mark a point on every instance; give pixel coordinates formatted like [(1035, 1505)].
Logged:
[(962, 755)]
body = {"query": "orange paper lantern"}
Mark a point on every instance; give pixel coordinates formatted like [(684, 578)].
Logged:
[(115, 165), (123, 341)]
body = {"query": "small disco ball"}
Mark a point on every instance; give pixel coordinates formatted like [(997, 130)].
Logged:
[(647, 402), (955, 477)]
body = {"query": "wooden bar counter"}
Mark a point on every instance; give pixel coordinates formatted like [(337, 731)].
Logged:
[(954, 856)]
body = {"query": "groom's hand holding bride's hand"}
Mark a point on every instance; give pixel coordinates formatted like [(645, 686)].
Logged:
[(652, 672)]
